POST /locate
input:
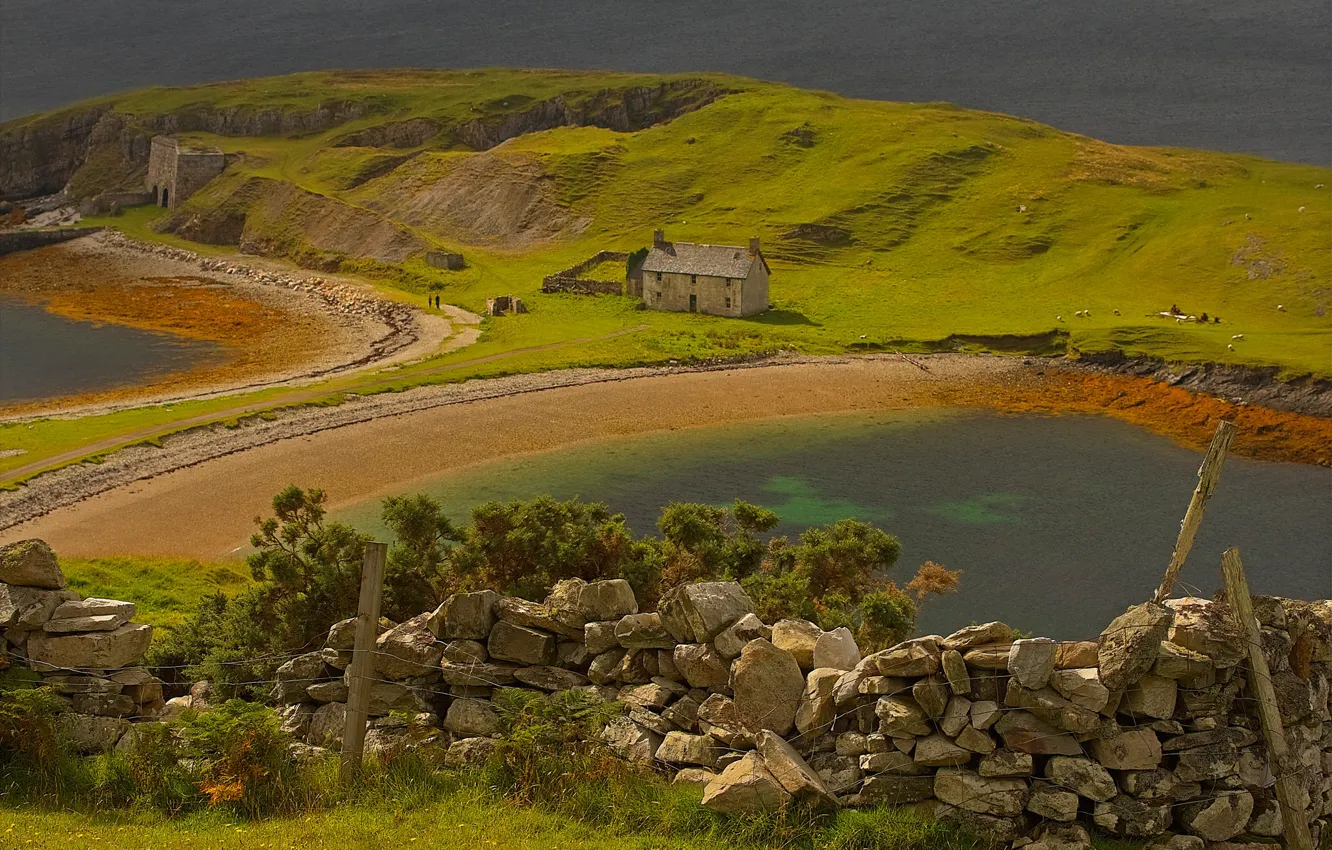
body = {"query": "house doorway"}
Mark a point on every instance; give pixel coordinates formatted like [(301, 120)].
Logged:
[(164, 197), (693, 303), (156, 194)]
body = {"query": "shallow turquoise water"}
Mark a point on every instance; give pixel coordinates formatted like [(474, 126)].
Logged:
[(1058, 523)]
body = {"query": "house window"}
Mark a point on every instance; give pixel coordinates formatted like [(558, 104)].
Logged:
[(728, 302), (693, 279), (659, 277)]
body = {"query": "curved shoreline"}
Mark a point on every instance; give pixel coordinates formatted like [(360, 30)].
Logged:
[(360, 329), (196, 493)]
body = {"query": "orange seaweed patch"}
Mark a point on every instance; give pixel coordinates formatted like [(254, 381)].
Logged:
[(1188, 418)]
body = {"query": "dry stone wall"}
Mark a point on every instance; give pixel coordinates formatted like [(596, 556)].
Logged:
[(1149, 733), (88, 651), (571, 279)]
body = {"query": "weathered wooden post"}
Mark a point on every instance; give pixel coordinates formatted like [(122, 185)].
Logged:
[(363, 659), (1260, 678), (1208, 476)]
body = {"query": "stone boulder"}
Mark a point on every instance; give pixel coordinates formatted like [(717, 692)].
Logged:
[(817, 709), (1151, 697), (987, 795), (1006, 763), (534, 615), (564, 603), (955, 671), (28, 608), (1076, 653), (470, 752), (91, 734), (643, 631), (1128, 817), (697, 613), (702, 666), (600, 637), (1053, 803), (1061, 836), (327, 725), (296, 675), (469, 616), (931, 695), (798, 637), (1031, 661), (836, 649), (732, 639), (1133, 749), (1219, 818), (472, 718), (461, 674), (746, 787), (901, 717), (1207, 628), (408, 650), (684, 748), (790, 769), (974, 636), (1083, 776), (631, 741), (1025, 732), (607, 600), (886, 789), (1081, 686), (546, 678), (122, 647), (520, 644), (1129, 646), (30, 563), (717, 717), (938, 751), (918, 657), (768, 688), (990, 656)]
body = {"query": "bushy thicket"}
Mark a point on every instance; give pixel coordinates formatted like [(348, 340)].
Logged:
[(307, 569)]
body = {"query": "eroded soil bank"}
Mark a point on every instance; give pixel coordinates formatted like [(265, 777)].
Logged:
[(198, 493)]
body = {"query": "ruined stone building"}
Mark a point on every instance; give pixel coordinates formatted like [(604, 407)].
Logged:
[(723, 280), (177, 170)]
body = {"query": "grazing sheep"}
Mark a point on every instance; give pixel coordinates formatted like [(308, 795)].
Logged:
[(1238, 336), (1281, 307), (1301, 209), (862, 336), (1116, 312), (1059, 318), (1230, 347)]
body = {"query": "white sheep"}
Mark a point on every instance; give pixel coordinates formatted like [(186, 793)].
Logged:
[(1059, 318), (1238, 336), (1281, 307), (1230, 347), (1116, 312)]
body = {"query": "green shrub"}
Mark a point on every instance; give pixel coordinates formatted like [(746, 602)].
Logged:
[(238, 757), (33, 760)]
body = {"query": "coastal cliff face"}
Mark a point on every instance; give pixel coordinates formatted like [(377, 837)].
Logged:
[(91, 149), (94, 148)]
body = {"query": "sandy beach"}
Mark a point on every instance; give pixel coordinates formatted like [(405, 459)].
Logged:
[(198, 493)]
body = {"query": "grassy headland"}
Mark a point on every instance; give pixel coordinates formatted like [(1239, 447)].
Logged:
[(887, 225)]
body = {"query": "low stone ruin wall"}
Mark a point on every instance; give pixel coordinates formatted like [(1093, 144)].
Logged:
[(571, 279), (1149, 732), (88, 651)]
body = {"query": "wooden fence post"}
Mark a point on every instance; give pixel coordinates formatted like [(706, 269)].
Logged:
[(1260, 679), (1208, 476), (363, 659)]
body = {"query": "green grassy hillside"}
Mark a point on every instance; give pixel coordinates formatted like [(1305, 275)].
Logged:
[(901, 222), (887, 225)]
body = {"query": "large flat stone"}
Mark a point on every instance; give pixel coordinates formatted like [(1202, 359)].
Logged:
[(768, 688), (1129, 646), (697, 613), (123, 647)]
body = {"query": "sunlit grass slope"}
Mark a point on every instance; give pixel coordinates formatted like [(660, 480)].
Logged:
[(902, 222)]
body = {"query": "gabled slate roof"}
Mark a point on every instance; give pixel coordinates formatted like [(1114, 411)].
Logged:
[(693, 258)]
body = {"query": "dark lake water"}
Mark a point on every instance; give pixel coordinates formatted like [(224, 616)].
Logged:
[(1229, 75), (45, 356), (1058, 523)]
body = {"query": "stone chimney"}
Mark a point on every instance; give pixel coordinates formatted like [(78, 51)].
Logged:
[(658, 239), (753, 246)]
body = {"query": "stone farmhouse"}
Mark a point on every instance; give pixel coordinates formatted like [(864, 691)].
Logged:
[(177, 170), (722, 280)]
